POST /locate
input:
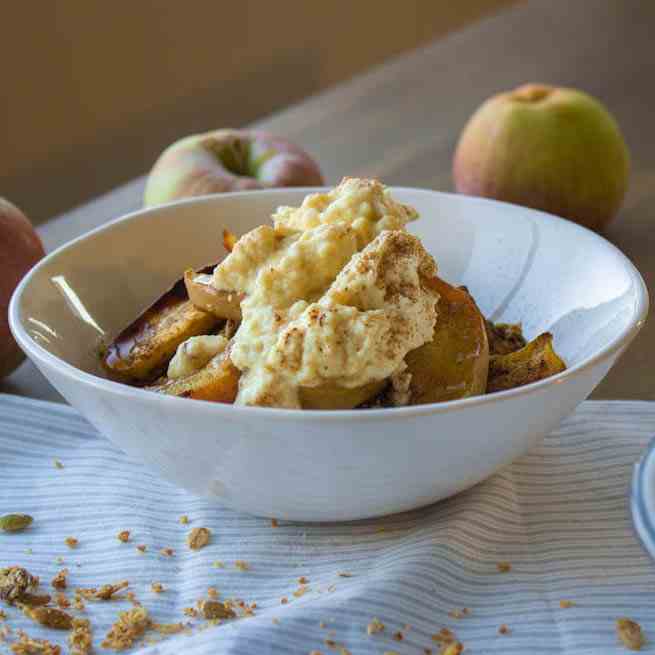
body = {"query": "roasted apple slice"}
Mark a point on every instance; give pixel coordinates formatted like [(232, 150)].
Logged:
[(218, 382), (140, 353), (330, 396), (536, 361), (456, 362), (223, 304), (504, 338)]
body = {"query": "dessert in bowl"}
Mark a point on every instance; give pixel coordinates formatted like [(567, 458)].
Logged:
[(336, 333)]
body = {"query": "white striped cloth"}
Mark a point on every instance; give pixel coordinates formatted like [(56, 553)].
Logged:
[(559, 516)]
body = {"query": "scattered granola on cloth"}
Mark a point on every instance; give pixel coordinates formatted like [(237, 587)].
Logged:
[(424, 563)]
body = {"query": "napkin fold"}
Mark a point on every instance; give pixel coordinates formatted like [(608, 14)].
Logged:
[(554, 526)]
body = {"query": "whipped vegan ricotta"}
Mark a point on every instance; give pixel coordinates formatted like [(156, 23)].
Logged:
[(336, 292)]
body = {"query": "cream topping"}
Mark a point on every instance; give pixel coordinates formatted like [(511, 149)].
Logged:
[(336, 292)]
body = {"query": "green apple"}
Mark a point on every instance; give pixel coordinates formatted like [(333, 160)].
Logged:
[(550, 148), (228, 160)]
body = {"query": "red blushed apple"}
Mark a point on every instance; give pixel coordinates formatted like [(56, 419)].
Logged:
[(228, 160), (20, 249)]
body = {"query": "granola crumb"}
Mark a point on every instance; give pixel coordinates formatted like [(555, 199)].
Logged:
[(168, 628), (61, 600), (79, 605), (184, 519), (71, 542), (504, 567), (301, 591), (427, 651), (274, 523), (80, 640), (198, 538), (322, 624), (630, 633), (218, 564), (284, 600), (28, 646), (157, 587), (49, 617), (241, 565), (190, 611), (212, 593), (315, 652), (58, 464), (503, 630), (453, 649), (374, 626), (142, 548), (106, 592), (124, 536), (130, 626), (344, 574), (3, 616), (565, 604), (330, 643), (398, 636), (302, 580), (458, 614), (167, 552), (444, 636), (35, 600), (59, 581), (214, 609)]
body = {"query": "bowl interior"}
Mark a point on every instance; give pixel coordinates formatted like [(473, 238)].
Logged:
[(520, 265)]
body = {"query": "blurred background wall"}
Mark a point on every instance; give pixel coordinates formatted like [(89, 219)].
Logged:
[(93, 90)]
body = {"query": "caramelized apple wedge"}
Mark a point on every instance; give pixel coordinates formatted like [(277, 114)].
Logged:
[(140, 353), (536, 361), (456, 362), (222, 304), (330, 396), (218, 382)]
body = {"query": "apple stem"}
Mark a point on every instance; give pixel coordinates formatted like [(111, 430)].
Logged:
[(531, 92)]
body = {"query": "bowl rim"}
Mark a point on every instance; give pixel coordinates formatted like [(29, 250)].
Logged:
[(37, 353)]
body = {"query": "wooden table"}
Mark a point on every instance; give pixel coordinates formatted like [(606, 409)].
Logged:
[(400, 122)]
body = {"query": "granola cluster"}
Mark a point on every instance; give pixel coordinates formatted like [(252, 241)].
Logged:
[(16, 583)]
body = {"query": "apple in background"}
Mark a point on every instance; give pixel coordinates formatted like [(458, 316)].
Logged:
[(228, 160), (20, 249), (550, 148)]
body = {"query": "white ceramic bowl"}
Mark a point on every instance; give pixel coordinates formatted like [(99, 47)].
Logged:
[(642, 499), (520, 265)]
